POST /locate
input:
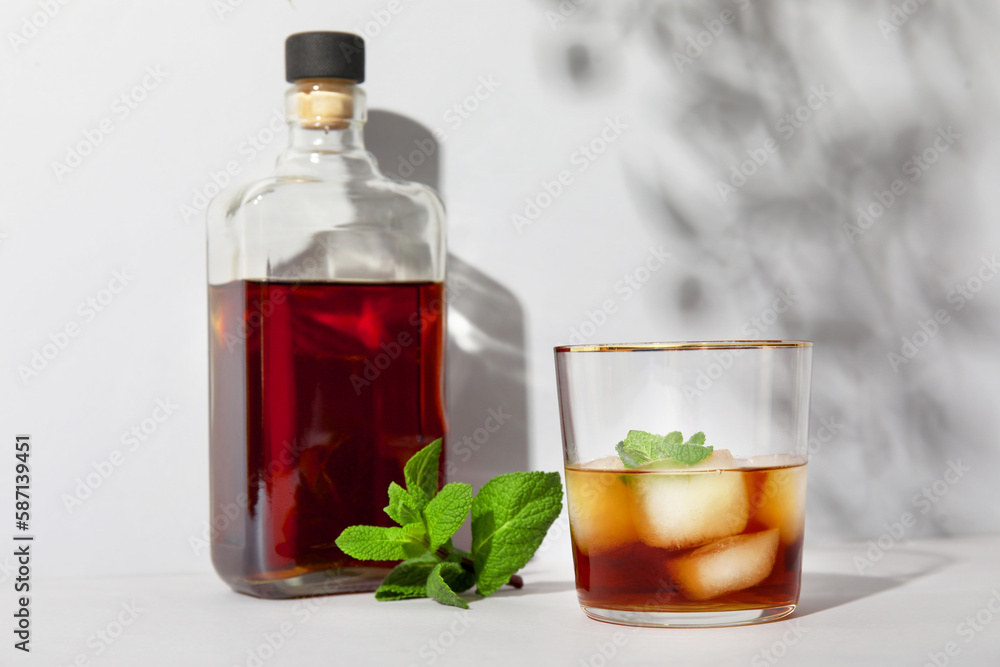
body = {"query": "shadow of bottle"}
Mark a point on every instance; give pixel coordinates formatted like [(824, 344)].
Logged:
[(485, 367)]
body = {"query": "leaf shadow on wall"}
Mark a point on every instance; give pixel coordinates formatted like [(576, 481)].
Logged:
[(864, 206)]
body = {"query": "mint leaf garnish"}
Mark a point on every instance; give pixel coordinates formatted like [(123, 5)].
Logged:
[(416, 545), (402, 508), (446, 512), (510, 517), (438, 588), (640, 448), (375, 543), (408, 579), (465, 577), (421, 473), (689, 454)]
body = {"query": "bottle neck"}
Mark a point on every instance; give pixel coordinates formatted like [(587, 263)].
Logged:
[(325, 116)]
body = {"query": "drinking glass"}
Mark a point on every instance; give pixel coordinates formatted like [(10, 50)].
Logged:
[(660, 539)]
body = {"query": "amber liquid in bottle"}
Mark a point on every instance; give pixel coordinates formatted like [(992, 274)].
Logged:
[(320, 392)]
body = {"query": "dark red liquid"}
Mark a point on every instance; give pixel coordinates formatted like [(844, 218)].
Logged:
[(320, 393), (634, 576)]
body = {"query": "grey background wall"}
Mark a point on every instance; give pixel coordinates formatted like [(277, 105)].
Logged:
[(812, 170)]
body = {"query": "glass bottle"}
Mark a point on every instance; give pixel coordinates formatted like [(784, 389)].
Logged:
[(327, 340)]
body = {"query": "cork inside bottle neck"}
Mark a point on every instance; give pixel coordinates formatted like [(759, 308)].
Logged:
[(325, 104)]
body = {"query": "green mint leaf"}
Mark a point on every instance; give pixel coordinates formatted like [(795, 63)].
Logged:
[(640, 448), (510, 516), (421, 473), (402, 508), (626, 455), (437, 586), (408, 579), (377, 543), (446, 512), (690, 454), (465, 577), (417, 544)]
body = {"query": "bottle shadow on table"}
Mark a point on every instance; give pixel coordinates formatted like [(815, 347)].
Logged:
[(823, 590), (485, 377)]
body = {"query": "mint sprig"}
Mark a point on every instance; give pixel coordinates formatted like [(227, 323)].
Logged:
[(640, 448), (510, 517)]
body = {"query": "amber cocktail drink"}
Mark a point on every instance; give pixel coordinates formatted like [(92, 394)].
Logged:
[(674, 531)]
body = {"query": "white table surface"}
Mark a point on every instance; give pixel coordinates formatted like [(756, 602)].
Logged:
[(906, 608)]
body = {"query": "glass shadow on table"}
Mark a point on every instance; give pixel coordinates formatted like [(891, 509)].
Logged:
[(847, 575)]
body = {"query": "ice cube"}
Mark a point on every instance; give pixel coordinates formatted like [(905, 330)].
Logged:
[(780, 502), (719, 459), (600, 511), (731, 564), (773, 461), (605, 463), (688, 509)]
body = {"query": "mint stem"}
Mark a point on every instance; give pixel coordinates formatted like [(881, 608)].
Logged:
[(469, 566)]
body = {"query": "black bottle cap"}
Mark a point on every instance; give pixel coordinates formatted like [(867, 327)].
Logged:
[(325, 55)]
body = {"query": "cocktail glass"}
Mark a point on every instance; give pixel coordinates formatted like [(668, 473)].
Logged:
[(661, 542)]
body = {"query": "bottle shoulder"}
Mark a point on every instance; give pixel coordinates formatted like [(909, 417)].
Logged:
[(325, 226), (341, 200)]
